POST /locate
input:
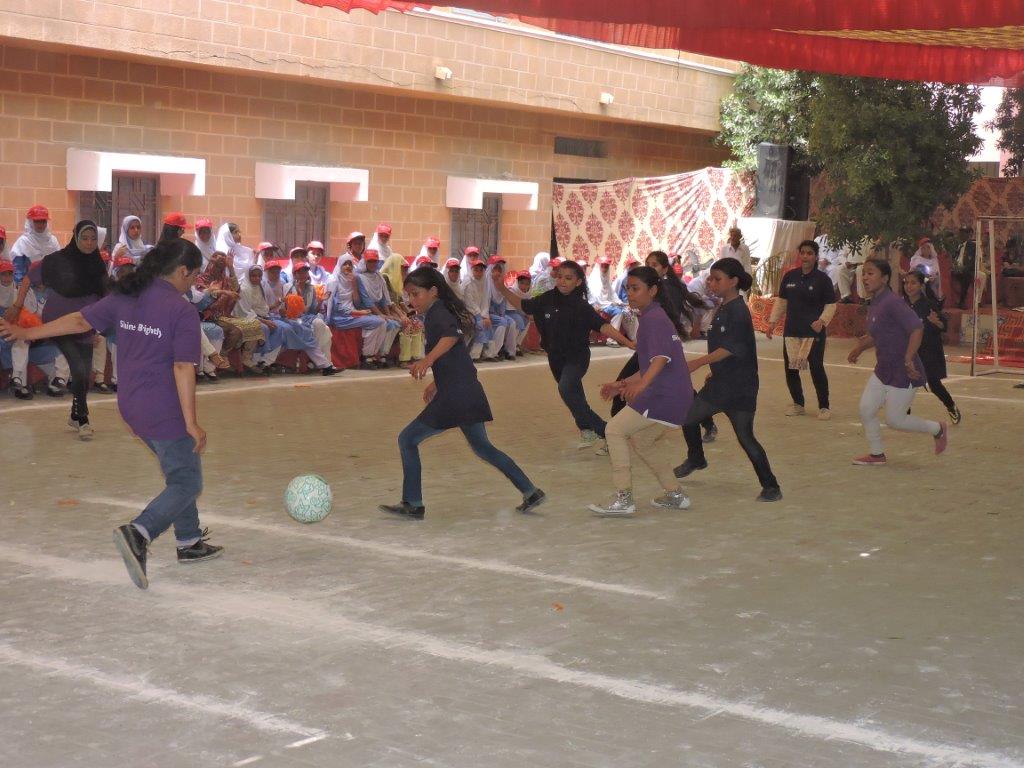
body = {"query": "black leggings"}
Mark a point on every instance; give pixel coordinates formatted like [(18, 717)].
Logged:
[(937, 388), (742, 424), (569, 373), (79, 356), (633, 366), (816, 363)]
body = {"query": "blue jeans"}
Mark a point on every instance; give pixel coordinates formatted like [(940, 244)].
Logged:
[(569, 373), (476, 435), (176, 503)]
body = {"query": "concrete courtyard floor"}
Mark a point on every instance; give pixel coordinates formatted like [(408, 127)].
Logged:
[(872, 618)]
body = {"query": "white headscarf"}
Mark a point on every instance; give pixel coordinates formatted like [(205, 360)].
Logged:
[(243, 256), (206, 247), (372, 282), (475, 294), (136, 248), (599, 284), (494, 296), (384, 249), (456, 286), (253, 297), (344, 290), (35, 245), (926, 260), (422, 261), (541, 264)]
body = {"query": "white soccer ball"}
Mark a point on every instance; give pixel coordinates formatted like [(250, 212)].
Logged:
[(308, 498)]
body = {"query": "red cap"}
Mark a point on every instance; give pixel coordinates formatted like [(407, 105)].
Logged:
[(554, 263), (371, 254), (6, 266), (472, 250), (38, 213), (452, 263), (314, 244), (923, 240), (299, 265), (605, 260), (432, 242), (104, 255), (384, 229), (355, 236), (632, 260), (297, 250), (175, 219), (123, 261), (263, 246), (496, 259), (3, 233), (273, 264), (204, 223), (409, 261), (477, 263), (524, 275)]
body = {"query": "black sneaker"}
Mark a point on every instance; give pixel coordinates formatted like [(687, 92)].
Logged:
[(20, 390), (330, 370), (688, 468), (132, 546), (532, 501), (103, 388), (955, 415), (55, 388), (404, 509), (710, 435), (199, 551), (770, 494)]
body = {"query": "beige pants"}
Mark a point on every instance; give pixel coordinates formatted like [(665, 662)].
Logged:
[(647, 437)]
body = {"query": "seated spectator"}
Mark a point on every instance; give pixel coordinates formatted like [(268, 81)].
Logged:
[(205, 241), (309, 313), (487, 338), (381, 242), (35, 242), (252, 304), (317, 274), (453, 276), (1013, 257), (344, 313), (106, 341), (926, 261), (430, 248), (602, 293), (354, 247), (174, 226), (296, 256), (229, 241), (265, 253), (410, 338), (500, 310), (23, 305), (129, 242), (544, 280), (297, 336), (220, 285), (373, 295)]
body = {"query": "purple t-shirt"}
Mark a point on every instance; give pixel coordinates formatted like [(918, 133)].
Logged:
[(668, 398), (154, 331), (890, 323)]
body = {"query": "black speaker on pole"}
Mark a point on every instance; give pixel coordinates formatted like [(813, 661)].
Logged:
[(772, 172)]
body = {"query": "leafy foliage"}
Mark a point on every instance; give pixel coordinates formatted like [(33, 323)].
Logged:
[(1009, 122)]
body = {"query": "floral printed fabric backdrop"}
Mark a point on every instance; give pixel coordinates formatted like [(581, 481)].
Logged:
[(632, 217)]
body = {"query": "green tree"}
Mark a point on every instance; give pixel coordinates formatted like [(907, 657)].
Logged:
[(1009, 122), (766, 105)]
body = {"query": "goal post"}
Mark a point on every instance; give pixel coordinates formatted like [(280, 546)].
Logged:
[(999, 348)]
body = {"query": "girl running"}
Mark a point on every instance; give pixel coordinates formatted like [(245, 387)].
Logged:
[(454, 399), (895, 331), (565, 319), (658, 395), (927, 307), (732, 386), (158, 337)]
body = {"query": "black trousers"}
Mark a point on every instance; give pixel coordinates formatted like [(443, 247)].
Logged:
[(633, 366), (937, 388), (79, 357), (816, 363), (742, 424), (569, 373), (962, 281)]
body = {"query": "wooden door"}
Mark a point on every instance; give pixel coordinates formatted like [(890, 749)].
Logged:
[(291, 223), (481, 228), (97, 207), (136, 196)]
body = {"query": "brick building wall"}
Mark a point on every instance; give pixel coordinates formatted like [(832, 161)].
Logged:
[(51, 100)]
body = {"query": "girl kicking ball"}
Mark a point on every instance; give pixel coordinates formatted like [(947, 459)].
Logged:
[(895, 331), (454, 398), (158, 350)]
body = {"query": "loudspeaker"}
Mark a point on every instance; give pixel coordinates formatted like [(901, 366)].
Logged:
[(772, 170)]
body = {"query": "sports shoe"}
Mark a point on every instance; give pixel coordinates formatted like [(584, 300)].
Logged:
[(954, 415), (85, 431), (671, 500), (102, 387), (601, 448), (199, 551), (588, 438), (20, 390), (132, 545), (621, 506), (688, 468), (330, 370), (795, 410), (55, 388), (870, 460), (824, 415), (710, 435), (770, 494), (532, 501), (942, 439), (404, 509)]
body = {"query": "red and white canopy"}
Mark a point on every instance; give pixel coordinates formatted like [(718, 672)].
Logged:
[(951, 41)]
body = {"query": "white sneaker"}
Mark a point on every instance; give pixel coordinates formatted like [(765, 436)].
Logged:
[(602, 448), (85, 431), (672, 500), (621, 506), (588, 438), (795, 410), (824, 414)]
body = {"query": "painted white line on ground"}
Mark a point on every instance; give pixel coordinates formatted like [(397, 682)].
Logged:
[(399, 551), (247, 761), (305, 616), (304, 742), (139, 690)]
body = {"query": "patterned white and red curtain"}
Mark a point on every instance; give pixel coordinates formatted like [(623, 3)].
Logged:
[(685, 213)]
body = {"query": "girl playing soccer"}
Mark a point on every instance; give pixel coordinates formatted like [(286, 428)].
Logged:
[(732, 385), (658, 396), (565, 319), (927, 307), (895, 332), (158, 346), (454, 398)]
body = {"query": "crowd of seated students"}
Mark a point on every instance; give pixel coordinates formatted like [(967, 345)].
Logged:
[(258, 303)]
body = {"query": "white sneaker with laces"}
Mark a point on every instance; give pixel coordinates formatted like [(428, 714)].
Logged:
[(621, 506), (795, 410), (601, 448), (588, 438), (824, 414), (672, 500), (85, 431)]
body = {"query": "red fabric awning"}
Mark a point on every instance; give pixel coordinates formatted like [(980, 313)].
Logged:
[(952, 41)]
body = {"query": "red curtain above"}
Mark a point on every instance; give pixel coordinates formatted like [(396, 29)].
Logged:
[(952, 41)]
